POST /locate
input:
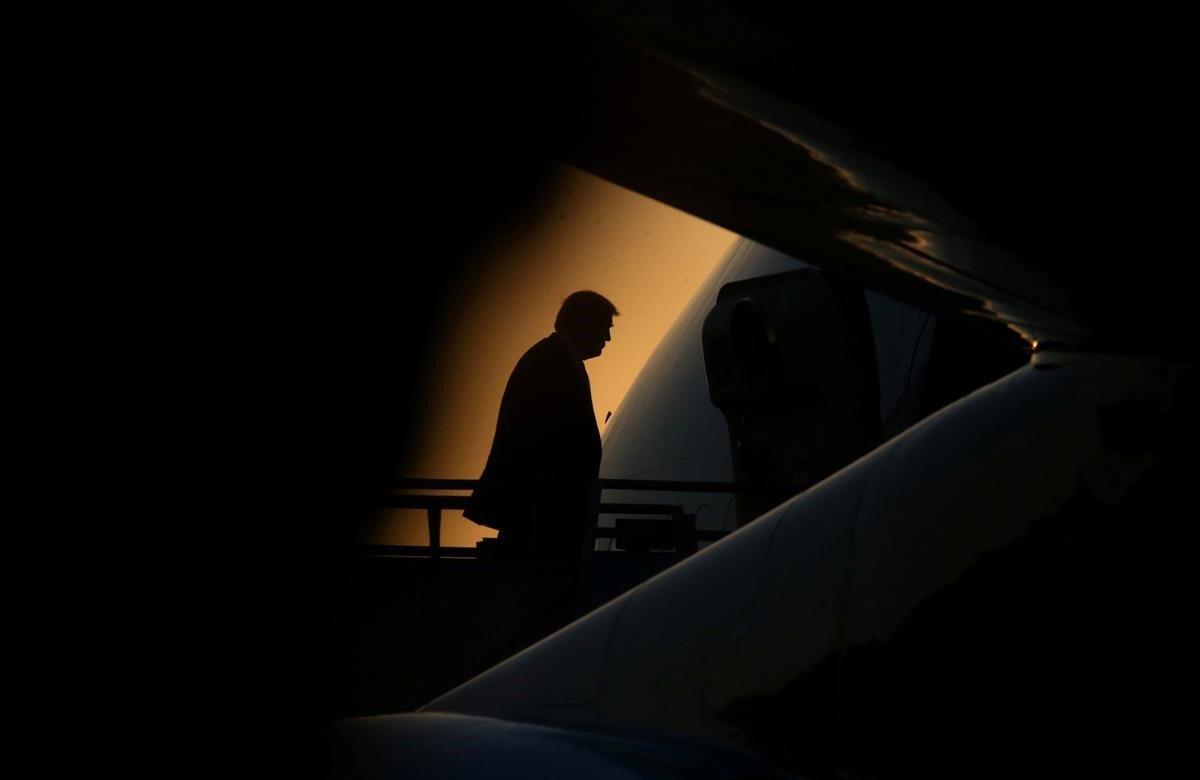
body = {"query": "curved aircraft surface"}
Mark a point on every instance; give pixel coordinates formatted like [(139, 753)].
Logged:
[(667, 427)]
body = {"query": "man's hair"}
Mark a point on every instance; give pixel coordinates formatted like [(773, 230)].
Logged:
[(583, 308)]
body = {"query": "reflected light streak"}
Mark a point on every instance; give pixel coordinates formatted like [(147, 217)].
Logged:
[(903, 257), (922, 257), (870, 184), (848, 178)]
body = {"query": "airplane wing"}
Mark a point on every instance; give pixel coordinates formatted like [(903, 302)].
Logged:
[(961, 176)]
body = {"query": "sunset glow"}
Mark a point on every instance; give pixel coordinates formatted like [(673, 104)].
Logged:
[(646, 257)]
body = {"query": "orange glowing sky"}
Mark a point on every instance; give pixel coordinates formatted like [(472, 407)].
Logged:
[(646, 257)]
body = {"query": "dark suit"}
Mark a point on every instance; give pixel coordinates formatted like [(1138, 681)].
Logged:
[(546, 433)]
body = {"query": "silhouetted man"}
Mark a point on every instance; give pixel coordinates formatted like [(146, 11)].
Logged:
[(546, 435)]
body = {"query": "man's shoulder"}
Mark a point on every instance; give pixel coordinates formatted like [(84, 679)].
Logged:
[(545, 367), (549, 350)]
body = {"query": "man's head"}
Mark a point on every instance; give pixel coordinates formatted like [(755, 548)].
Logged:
[(584, 321)]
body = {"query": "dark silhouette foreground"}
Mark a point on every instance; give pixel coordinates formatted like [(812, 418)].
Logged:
[(547, 447)]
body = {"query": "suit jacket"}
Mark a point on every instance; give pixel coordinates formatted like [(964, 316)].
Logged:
[(546, 433)]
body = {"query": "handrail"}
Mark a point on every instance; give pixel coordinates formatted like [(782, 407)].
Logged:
[(434, 504), (675, 486)]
